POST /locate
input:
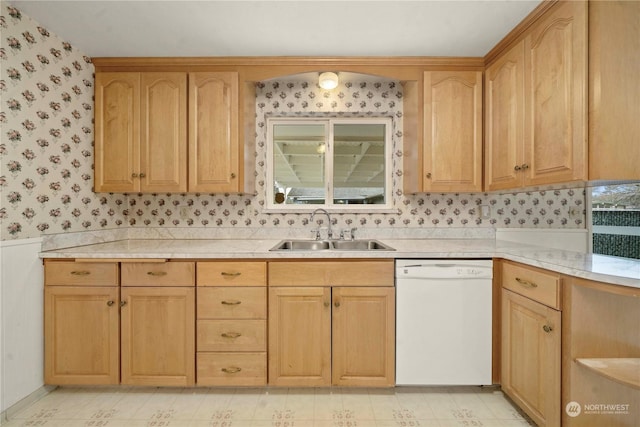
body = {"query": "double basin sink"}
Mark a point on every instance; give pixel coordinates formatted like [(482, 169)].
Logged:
[(331, 245)]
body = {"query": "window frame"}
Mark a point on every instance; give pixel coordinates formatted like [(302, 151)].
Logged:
[(329, 122)]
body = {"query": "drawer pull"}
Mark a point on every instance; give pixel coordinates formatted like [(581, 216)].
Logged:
[(547, 328), (230, 334), (526, 283), (80, 273), (231, 302), (236, 274), (157, 273), (231, 370)]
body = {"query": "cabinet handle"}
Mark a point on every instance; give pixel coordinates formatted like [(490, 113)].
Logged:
[(157, 273), (547, 328), (142, 175), (231, 370), (230, 334), (123, 303), (517, 168), (110, 303), (233, 175), (526, 283), (224, 273), (525, 166), (429, 175), (134, 175), (231, 302), (80, 273), (337, 303)]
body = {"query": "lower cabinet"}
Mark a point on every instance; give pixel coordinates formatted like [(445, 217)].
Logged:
[(81, 335), (232, 323), (320, 336), (139, 330), (531, 343), (158, 336)]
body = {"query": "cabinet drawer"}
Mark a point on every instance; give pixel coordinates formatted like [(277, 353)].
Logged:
[(331, 273), (231, 368), (536, 284), (232, 335), (70, 273), (158, 274), (232, 273), (232, 303)]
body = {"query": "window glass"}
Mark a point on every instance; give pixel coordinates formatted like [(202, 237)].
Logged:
[(329, 162), (615, 220)]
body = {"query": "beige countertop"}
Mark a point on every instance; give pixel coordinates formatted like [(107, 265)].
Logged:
[(614, 270)]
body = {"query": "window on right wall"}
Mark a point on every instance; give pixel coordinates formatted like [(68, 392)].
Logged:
[(615, 220)]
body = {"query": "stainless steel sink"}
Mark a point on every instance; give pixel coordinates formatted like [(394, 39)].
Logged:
[(327, 245)]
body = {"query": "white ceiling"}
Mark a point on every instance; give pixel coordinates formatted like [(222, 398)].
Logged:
[(279, 28)]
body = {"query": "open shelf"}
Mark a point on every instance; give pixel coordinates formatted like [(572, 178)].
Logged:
[(622, 370)]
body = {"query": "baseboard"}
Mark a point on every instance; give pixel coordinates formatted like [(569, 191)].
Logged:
[(10, 412)]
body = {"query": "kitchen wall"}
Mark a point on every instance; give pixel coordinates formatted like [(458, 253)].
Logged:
[(47, 156)]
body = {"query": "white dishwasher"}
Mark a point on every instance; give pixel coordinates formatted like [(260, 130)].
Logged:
[(443, 322)]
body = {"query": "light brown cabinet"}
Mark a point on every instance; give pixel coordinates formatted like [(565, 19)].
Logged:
[(531, 342), (106, 325), (232, 323), (536, 104), (452, 146), (323, 332), (147, 137), (141, 132), (81, 335)]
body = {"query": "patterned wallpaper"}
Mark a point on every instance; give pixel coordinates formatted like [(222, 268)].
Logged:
[(46, 155), (46, 124)]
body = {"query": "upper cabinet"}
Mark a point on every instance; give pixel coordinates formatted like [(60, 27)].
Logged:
[(536, 104), (147, 138), (614, 90), (213, 132), (452, 142)]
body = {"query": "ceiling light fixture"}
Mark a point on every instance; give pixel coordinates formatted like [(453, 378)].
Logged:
[(328, 80)]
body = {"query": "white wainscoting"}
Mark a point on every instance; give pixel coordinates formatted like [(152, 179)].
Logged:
[(21, 320)]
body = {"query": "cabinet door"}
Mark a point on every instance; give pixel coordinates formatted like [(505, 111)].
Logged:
[(300, 336), (555, 89), (213, 134), (504, 120), (158, 336), (81, 335), (117, 130), (363, 345), (163, 127), (452, 131), (531, 357)]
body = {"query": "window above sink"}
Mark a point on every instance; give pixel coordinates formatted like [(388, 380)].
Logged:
[(340, 164)]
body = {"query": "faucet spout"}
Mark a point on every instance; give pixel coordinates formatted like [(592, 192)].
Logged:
[(329, 231)]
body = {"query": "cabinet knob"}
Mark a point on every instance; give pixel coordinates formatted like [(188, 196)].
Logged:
[(142, 175), (327, 304), (547, 328), (233, 175), (134, 175), (429, 175), (110, 303), (123, 303), (337, 303), (517, 168)]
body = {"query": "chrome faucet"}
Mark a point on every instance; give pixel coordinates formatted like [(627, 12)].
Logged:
[(317, 231)]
